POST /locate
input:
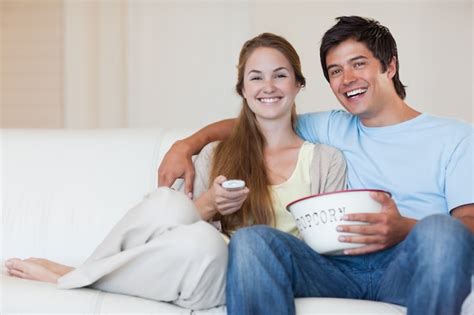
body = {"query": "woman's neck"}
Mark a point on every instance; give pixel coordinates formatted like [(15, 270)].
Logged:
[(280, 152), (278, 135)]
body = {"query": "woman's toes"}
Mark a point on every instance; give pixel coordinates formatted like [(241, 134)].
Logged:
[(16, 273), (27, 269), (12, 263), (15, 267)]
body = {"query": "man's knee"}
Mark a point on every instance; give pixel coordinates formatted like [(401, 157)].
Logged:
[(441, 228), (251, 238), (252, 246), (441, 236)]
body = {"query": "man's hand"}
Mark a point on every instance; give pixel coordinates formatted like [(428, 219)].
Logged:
[(383, 230), (465, 214), (177, 163)]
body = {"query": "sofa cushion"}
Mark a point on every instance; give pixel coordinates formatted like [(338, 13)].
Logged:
[(63, 190), (332, 306), (27, 296)]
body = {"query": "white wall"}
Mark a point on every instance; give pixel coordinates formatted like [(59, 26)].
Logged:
[(167, 63), (31, 68), (95, 71), (183, 54), (182, 61)]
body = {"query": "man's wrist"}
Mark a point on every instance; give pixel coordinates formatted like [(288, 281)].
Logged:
[(409, 223), (184, 146), (193, 144)]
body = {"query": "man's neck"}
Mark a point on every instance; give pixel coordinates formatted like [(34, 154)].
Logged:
[(390, 114)]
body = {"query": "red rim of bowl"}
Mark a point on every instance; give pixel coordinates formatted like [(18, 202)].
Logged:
[(335, 192)]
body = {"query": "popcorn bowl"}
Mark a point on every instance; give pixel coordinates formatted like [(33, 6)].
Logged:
[(317, 217)]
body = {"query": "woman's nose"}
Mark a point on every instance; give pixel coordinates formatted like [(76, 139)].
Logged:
[(269, 86)]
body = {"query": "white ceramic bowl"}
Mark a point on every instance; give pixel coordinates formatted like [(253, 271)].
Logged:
[(318, 216)]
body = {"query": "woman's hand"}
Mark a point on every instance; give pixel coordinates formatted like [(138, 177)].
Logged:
[(220, 200)]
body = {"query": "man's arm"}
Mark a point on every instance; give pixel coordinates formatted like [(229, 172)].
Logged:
[(177, 162), (465, 214), (389, 227)]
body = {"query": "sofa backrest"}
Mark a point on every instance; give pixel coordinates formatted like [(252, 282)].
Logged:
[(63, 190)]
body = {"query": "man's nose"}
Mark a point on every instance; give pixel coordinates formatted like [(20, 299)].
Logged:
[(348, 76)]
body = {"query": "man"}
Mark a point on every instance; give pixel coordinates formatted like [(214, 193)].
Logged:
[(418, 251)]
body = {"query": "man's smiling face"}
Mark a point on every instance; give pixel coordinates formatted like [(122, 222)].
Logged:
[(357, 80)]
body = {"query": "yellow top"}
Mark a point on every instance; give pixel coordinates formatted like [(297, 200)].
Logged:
[(298, 185), (320, 168)]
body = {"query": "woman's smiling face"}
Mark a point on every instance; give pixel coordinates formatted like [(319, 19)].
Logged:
[(270, 85)]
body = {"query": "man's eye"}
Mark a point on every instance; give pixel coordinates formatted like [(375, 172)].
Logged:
[(334, 72), (359, 64)]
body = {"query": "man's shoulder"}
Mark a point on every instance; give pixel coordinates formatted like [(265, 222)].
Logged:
[(326, 127), (449, 126), (339, 119), (448, 121), (327, 115)]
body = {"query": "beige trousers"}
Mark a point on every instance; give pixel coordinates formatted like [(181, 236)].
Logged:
[(159, 250)]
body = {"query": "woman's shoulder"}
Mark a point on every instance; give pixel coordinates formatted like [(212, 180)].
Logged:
[(209, 148), (326, 156), (324, 149)]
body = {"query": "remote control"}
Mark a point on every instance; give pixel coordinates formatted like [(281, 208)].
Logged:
[(233, 184)]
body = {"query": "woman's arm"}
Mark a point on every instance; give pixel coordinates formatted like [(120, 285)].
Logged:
[(328, 169)]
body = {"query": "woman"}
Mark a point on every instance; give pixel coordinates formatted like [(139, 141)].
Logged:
[(164, 248)]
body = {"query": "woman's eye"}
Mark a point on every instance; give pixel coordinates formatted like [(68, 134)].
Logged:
[(281, 75), (255, 78)]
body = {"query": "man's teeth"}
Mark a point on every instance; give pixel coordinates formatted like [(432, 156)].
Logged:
[(355, 92), (269, 99)]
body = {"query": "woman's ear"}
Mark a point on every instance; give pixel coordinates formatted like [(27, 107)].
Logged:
[(243, 93)]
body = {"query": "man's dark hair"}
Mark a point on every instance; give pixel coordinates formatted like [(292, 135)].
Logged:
[(375, 36)]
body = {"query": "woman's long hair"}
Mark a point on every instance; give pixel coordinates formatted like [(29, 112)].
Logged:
[(241, 155)]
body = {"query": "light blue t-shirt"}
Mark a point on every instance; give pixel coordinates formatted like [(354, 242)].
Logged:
[(426, 162)]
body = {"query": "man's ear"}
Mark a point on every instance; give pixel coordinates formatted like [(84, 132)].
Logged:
[(392, 68)]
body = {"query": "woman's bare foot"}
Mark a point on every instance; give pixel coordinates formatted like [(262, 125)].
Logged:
[(52, 266), (36, 269)]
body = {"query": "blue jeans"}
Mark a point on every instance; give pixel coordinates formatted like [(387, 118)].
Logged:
[(429, 272)]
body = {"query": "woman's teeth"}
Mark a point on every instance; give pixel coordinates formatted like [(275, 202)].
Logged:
[(269, 99)]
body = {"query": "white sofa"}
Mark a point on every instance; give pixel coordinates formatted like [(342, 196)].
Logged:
[(62, 191)]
